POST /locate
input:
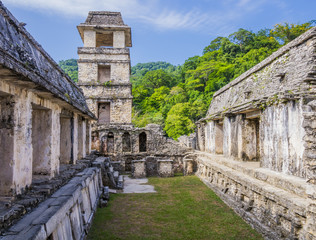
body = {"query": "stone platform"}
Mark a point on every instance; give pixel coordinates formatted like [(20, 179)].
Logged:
[(277, 205)]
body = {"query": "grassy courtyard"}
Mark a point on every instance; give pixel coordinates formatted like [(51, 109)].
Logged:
[(182, 208)]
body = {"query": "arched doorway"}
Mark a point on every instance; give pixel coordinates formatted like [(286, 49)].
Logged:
[(126, 142), (142, 142)]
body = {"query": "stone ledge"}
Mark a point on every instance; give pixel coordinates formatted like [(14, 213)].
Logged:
[(299, 40), (46, 220), (267, 208), (292, 184)]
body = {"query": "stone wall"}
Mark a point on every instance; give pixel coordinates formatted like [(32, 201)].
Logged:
[(262, 115), (277, 205), (34, 95), (259, 133), (67, 214), (156, 144), (30, 61)]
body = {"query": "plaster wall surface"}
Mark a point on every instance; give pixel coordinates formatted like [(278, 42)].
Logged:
[(282, 135), (41, 141), (264, 110), (88, 72), (89, 38), (119, 39), (65, 140)]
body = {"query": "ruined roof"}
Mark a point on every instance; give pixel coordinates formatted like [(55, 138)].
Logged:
[(25, 58), (105, 21), (104, 18)]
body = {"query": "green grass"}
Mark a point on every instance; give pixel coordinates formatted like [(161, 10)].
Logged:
[(183, 208)]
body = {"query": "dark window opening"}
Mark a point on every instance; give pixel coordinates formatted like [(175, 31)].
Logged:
[(143, 142)]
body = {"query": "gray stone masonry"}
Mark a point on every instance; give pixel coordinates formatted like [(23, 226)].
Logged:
[(165, 168), (139, 168), (259, 144), (67, 214), (12, 210)]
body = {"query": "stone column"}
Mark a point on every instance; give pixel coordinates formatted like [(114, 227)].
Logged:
[(165, 168), (75, 138), (139, 168)]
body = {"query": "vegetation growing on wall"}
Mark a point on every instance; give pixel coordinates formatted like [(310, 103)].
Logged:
[(177, 96)]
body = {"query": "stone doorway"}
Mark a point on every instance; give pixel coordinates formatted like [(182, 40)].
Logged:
[(6, 142), (41, 140), (110, 143)]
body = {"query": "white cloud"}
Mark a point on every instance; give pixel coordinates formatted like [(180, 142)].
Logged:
[(156, 13)]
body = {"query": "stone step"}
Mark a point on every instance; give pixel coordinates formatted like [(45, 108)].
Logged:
[(292, 184)]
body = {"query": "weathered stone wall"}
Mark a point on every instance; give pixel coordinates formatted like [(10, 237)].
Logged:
[(157, 145), (116, 91), (67, 214), (119, 108), (275, 204), (260, 131), (34, 92), (37, 145), (261, 114)]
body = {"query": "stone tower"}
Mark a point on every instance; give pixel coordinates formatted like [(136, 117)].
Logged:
[(104, 68)]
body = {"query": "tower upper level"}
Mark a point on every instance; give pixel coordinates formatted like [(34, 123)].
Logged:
[(105, 29)]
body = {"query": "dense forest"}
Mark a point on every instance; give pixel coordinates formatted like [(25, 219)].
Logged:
[(177, 96)]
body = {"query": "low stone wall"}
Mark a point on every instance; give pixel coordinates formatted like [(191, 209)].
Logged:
[(67, 214), (277, 205)]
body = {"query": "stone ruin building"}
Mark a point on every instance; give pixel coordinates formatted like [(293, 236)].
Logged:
[(104, 75), (258, 142), (256, 148), (44, 132)]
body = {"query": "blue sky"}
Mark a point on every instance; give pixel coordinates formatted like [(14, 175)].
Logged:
[(162, 30)]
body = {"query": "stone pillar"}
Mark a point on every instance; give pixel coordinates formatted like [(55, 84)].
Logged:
[(226, 136), (89, 38), (88, 137), (75, 138), (65, 140), (80, 137), (84, 137), (139, 168), (188, 166), (165, 168), (55, 144), (119, 39), (218, 137)]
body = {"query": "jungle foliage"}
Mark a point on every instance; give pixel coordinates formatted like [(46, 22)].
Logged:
[(177, 96)]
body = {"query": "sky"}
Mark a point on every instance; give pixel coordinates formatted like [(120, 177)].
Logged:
[(162, 30)]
